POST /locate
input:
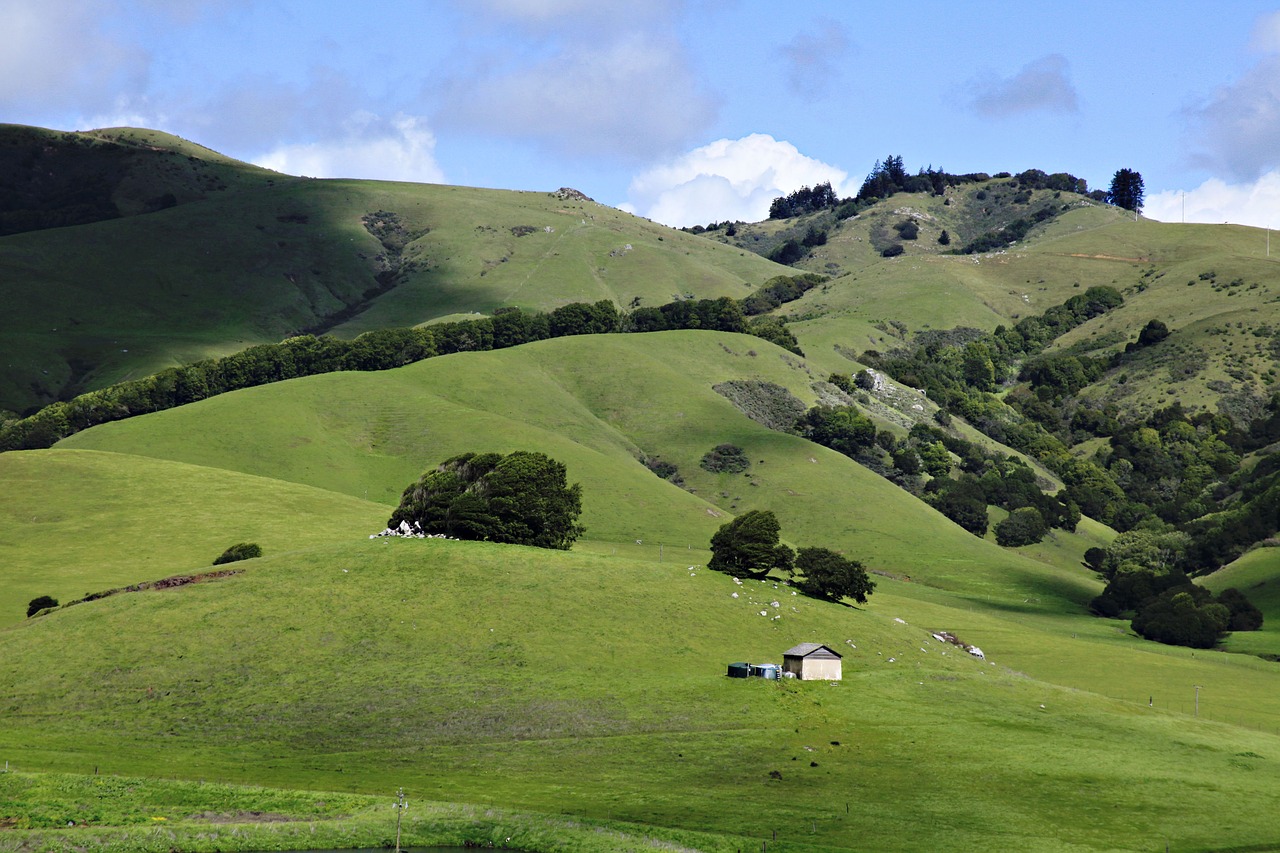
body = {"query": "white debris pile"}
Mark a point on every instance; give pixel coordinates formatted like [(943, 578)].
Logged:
[(948, 637), (409, 531)]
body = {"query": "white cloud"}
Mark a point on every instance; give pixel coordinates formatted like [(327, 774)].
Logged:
[(1042, 85), (727, 179), (1215, 201), (402, 149)]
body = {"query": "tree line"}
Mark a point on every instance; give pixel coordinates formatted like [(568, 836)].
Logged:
[(383, 349)]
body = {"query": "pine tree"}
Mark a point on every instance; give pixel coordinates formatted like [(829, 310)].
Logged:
[(1126, 190)]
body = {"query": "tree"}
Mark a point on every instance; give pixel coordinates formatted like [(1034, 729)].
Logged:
[(40, 603), (521, 499), (831, 576), (749, 545), (1126, 190), (1024, 526), (237, 552)]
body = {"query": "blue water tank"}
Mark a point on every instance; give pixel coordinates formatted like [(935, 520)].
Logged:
[(766, 670)]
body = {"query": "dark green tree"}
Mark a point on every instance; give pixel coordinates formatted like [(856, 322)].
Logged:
[(1126, 190), (832, 576), (1024, 526), (40, 603), (749, 546), (521, 498)]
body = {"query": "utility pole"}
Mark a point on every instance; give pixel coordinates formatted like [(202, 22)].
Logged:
[(400, 805), (1197, 700)]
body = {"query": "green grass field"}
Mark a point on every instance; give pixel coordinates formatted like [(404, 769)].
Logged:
[(594, 686)]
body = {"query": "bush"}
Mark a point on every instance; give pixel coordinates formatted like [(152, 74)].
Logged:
[(893, 251), (240, 551), (40, 603), (944, 239), (726, 459)]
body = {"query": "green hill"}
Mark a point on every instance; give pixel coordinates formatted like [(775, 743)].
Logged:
[(248, 256), (79, 521)]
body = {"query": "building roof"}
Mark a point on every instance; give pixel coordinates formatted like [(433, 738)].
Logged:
[(806, 649)]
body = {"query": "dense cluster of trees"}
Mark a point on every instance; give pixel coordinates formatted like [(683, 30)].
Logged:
[(383, 349), (804, 200), (1147, 583), (749, 546), (521, 498)]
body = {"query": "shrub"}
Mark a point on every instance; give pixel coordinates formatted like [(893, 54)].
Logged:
[(907, 229), (40, 603), (240, 551), (726, 459), (893, 251)]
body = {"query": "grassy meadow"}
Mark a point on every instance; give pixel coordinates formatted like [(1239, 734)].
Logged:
[(576, 701), (611, 704)]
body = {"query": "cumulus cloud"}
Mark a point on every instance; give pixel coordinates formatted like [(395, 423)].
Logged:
[(1215, 201), (811, 59), (1237, 128), (1043, 85), (59, 54), (728, 179), (399, 149)]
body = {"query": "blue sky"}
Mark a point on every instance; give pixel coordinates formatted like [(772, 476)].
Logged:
[(685, 112)]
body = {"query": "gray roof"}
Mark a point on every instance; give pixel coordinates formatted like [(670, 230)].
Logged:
[(805, 649)]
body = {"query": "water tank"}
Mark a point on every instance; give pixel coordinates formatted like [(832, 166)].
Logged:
[(739, 670)]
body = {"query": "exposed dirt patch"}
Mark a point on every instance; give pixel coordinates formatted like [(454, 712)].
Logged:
[(243, 817)]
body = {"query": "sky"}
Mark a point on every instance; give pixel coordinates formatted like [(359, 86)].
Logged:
[(682, 111)]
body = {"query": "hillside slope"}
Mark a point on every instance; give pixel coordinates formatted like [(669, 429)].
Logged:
[(247, 256), (600, 404), (79, 521)]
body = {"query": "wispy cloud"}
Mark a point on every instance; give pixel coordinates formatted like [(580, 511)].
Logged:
[(811, 59), (1237, 128), (601, 79), (728, 179), (1041, 86), (60, 54)]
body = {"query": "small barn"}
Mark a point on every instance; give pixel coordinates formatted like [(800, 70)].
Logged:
[(812, 662)]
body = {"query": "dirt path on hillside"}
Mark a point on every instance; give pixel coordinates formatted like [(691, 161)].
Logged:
[(1106, 257)]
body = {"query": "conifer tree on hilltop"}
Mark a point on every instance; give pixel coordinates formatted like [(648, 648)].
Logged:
[(1126, 190)]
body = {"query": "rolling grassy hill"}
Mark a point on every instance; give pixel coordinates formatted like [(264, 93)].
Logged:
[(587, 683), (249, 256)]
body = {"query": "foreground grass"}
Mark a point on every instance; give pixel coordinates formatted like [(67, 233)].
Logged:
[(593, 686), (59, 813)]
